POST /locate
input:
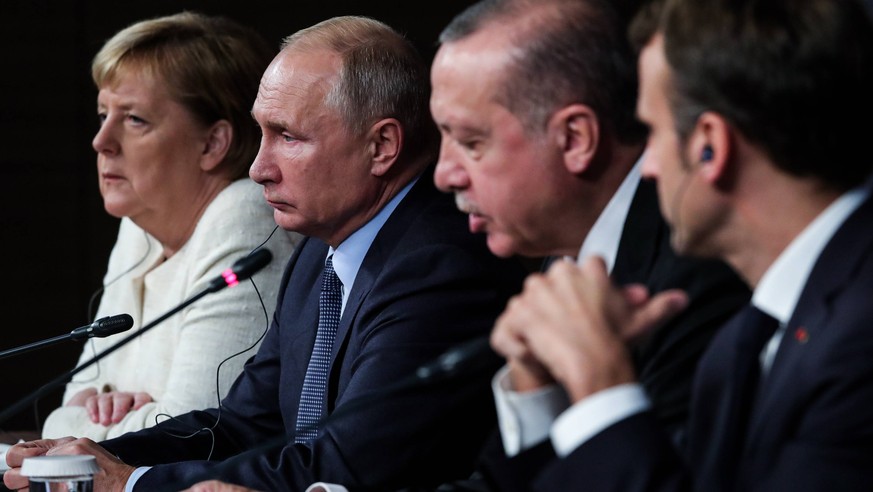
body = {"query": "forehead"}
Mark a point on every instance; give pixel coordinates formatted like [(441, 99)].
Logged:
[(134, 89), (297, 77), (131, 79), (468, 73), (654, 75)]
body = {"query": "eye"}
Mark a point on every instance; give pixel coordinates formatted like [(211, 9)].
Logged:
[(288, 138), (472, 147), (101, 118), (134, 119)]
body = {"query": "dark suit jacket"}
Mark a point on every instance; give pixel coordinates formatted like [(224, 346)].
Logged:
[(811, 428), (667, 359), (426, 284)]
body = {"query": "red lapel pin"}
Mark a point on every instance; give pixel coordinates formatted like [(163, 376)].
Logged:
[(801, 335)]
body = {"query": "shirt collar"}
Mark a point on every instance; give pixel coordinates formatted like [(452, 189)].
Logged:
[(779, 289), (603, 238), (349, 255)]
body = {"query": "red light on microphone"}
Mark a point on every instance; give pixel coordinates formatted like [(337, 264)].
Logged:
[(229, 277)]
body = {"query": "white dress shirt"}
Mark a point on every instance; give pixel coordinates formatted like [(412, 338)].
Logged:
[(776, 294), (525, 419)]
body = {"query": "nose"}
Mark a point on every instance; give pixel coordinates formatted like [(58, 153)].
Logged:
[(450, 174), (262, 169), (105, 141), (649, 168)]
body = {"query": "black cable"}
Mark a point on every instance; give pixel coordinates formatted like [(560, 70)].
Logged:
[(210, 429)]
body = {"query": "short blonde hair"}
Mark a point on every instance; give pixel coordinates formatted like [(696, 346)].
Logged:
[(210, 65)]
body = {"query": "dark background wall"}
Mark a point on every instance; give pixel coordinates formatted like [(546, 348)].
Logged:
[(55, 235)]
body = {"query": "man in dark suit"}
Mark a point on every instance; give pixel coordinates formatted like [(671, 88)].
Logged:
[(756, 163), (388, 271), (535, 102)]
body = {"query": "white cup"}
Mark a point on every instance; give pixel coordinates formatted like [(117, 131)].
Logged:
[(60, 473)]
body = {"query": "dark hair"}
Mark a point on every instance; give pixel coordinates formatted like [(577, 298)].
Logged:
[(210, 65), (785, 73), (382, 76), (565, 51)]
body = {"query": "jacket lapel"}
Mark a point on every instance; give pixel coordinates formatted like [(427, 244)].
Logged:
[(833, 270), (640, 237)]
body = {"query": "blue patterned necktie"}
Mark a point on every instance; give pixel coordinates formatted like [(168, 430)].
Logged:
[(315, 381)]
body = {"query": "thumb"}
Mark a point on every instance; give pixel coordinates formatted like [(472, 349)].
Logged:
[(658, 310)]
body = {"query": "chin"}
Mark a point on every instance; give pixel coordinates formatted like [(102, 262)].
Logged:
[(683, 246), (116, 210), (501, 247)]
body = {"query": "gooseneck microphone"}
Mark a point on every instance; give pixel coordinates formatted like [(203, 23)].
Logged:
[(463, 360), (242, 269), (103, 327), (468, 356)]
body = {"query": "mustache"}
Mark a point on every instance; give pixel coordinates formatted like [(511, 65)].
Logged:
[(465, 205)]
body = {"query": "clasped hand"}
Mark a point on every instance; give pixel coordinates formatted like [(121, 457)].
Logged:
[(109, 407), (572, 325)]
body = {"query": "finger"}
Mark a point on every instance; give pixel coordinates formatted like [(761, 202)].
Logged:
[(508, 335), (16, 455), (664, 306), (104, 408), (503, 339), (121, 404), (78, 400), (635, 294), (140, 399), (13, 480), (92, 408), (594, 266)]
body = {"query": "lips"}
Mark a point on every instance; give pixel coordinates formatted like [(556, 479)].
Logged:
[(476, 222), (111, 177)]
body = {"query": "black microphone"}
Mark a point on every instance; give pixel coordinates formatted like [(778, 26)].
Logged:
[(465, 359), (468, 356), (240, 270), (103, 327)]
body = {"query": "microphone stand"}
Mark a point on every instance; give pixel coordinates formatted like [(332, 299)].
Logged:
[(465, 359), (35, 345), (83, 333), (63, 378), (242, 269)]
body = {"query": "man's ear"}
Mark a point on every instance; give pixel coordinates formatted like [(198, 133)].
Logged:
[(218, 139), (709, 146), (577, 133), (386, 140)]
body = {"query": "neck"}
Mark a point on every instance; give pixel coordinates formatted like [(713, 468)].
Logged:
[(174, 230), (593, 195), (772, 213)]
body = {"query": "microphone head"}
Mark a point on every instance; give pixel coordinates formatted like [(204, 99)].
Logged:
[(242, 269), (111, 325), (103, 327), (469, 356), (250, 264)]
